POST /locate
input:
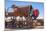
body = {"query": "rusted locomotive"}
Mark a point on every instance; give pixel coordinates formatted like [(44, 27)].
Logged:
[(18, 17)]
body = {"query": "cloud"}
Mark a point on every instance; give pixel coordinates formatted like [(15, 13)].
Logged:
[(40, 17), (10, 10)]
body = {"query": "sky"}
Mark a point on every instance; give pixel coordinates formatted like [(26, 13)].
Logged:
[(38, 5)]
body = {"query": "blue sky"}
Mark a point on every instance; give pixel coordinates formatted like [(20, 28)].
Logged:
[(37, 5)]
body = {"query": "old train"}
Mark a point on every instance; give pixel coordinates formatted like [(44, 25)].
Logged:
[(21, 16)]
